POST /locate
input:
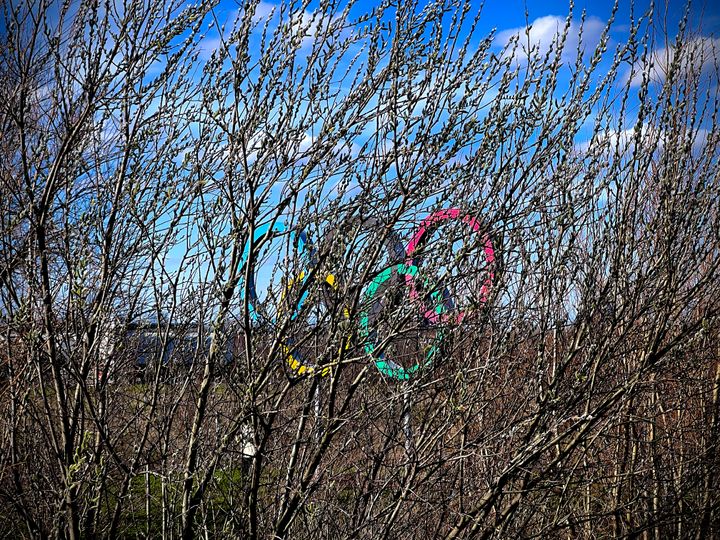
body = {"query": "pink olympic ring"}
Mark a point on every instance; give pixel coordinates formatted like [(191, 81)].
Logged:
[(431, 221)]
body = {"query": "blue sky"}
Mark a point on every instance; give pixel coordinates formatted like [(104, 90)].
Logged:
[(508, 18), (511, 13), (511, 17)]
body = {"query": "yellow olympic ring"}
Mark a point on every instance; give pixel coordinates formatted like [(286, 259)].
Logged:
[(293, 358)]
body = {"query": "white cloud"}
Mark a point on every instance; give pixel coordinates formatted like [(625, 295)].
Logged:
[(701, 140), (212, 41), (208, 46), (623, 140), (263, 11), (698, 56), (306, 142), (544, 31), (309, 144), (310, 25), (650, 138), (296, 144)]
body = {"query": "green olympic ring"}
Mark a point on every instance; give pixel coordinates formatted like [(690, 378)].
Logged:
[(298, 364), (406, 272), (386, 365)]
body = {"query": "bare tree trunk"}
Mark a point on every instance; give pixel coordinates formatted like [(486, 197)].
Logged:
[(711, 460)]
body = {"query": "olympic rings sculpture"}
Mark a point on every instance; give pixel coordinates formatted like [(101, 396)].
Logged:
[(406, 273)]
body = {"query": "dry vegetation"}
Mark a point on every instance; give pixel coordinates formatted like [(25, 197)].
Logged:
[(143, 178)]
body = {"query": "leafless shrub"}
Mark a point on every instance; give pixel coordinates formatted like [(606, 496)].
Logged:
[(197, 232)]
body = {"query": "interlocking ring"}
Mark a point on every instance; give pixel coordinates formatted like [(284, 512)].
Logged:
[(441, 303), (297, 363), (441, 306), (373, 295), (420, 238)]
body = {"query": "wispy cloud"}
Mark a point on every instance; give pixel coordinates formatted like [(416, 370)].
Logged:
[(544, 32), (224, 22), (698, 56), (294, 24), (649, 138), (263, 11)]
